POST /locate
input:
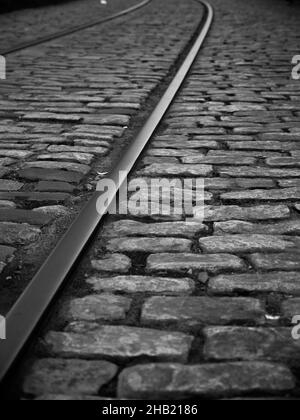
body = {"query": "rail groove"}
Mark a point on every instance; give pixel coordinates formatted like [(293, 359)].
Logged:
[(27, 312)]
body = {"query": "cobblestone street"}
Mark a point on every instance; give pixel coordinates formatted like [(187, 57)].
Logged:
[(159, 307), (64, 109)]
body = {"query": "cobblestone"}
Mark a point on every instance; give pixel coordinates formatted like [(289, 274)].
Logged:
[(58, 376), (238, 227), (7, 185), (143, 284), (266, 195), (240, 343), (76, 167), (121, 343), (97, 307), (246, 171), (133, 228), (115, 263), (34, 174), (185, 262), (149, 245), (198, 311), (165, 381), (7, 204), (280, 282), (168, 170), (245, 243), (281, 261), (53, 211), (52, 186), (24, 216), (223, 213), (263, 145)]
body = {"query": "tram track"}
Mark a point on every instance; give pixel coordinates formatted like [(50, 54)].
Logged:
[(25, 316)]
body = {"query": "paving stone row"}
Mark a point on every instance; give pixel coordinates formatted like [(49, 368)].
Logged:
[(189, 308), (65, 107)]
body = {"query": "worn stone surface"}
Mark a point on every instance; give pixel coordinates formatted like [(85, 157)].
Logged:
[(199, 311), (283, 161), (48, 164), (59, 376), (279, 282), (51, 116), (264, 195), (279, 136), (52, 186), (35, 197), (241, 343), (7, 185), (6, 161), (4, 171), (24, 216), (173, 153), (84, 158), (150, 245), (289, 183), (96, 307), (34, 174), (115, 263), (166, 381), (53, 211), (245, 183), (238, 227), (7, 204), (83, 149), (245, 243), (147, 200), (184, 262), (133, 228), (159, 159), (291, 308), (280, 261), (15, 154), (18, 233), (219, 160), (121, 343), (142, 284), (247, 171), (223, 213), (182, 170)]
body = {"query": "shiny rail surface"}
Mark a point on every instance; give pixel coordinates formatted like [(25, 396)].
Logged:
[(27, 312)]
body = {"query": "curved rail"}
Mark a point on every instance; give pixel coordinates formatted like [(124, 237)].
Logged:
[(33, 303), (70, 31)]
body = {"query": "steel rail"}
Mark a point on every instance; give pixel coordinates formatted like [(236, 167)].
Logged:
[(74, 29), (27, 312)]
